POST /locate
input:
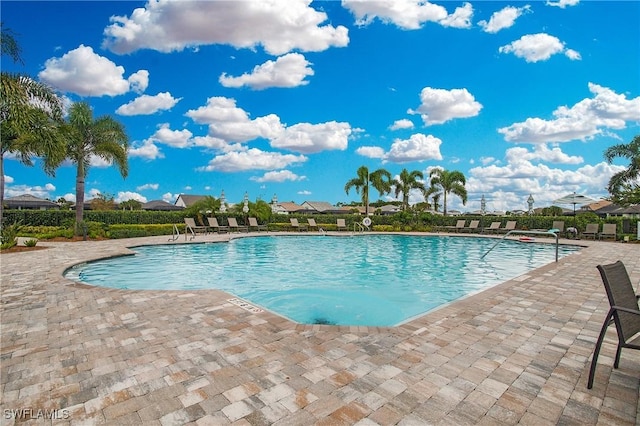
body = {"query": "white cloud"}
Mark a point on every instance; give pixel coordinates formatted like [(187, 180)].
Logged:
[(304, 192), (147, 150), (139, 81), (441, 105), (85, 73), (371, 151), (8, 179), (278, 176), (538, 47), (407, 14), (460, 18), (128, 195), (252, 159), (175, 138), (401, 124), (582, 121), (230, 123), (311, 138), (99, 162), (543, 153), (562, 3), (504, 18), (36, 191), (287, 71), (418, 147), (146, 186), (278, 26), (169, 197), (146, 104)]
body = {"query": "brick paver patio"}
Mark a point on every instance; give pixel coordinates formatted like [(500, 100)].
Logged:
[(518, 353)]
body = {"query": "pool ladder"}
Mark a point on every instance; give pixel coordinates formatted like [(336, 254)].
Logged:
[(518, 231), (357, 226), (175, 234)]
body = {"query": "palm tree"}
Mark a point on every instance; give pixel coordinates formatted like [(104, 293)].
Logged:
[(435, 195), (29, 116), (449, 182), (405, 183), (628, 178), (379, 179), (103, 137)]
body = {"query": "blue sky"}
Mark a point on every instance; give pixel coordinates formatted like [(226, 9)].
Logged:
[(290, 97)]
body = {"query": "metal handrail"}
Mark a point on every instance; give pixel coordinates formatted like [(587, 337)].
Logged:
[(175, 234), (361, 226), (518, 231)]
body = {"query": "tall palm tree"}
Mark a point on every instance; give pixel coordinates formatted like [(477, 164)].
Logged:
[(103, 137), (449, 182), (435, 195), (405, 183), (29, 116), (628, 177), (379, 179)]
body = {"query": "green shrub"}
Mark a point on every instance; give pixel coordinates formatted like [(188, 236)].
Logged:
[(130, 231), (31, 242), (9, 235)]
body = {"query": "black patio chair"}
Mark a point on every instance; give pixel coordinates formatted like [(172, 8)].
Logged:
[(624, 313)]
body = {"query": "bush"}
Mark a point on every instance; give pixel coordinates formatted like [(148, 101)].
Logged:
[(131, 231), (9, 235), (31, 243)]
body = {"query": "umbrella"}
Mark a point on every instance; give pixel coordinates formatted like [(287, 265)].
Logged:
[(574, 199)]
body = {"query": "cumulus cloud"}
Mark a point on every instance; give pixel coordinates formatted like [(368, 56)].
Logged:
[(504, 18), (538, 47), (371, 151), (542, 153), (139, 81), (174, 138), (441, 105), (311, 138), (407, 14), (287, 71), (146, 104), (8, 179), (562, 3), (169, 197), (509, 185), (170, 25), (37, 190), (147, 150), (252, 159), (417, 148), (85, 73), (401, 124), (128, 195), (584, 120), (278, 176), (228, 122), (146, 186)]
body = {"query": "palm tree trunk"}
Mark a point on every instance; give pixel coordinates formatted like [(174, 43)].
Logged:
[(444, 194), (79, 197), (1, 189)]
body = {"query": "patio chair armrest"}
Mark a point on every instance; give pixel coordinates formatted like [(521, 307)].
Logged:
[(627, 310)]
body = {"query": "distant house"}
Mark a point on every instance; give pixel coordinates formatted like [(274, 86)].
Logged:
[(286, 208), (613, 210), (185, 200), (389, 209), (28, 201), (160, 205), (312, 207)]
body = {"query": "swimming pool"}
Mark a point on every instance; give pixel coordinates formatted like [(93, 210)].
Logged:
[(374, 280)]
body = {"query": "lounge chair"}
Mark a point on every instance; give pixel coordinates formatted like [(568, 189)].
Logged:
[(558, 227), (253, 224), (295, 225), (473, 226), (509, 226), (213, 225), (191, 226), (494, 227), (623, 311), (312, 224), (234, 227), (341, 225), (591, 230), (608, 231), (460, 224)]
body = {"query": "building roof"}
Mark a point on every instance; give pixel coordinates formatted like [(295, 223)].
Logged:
[(28, 201), (160, 205), (186, 200), (290, 207), (319, 206)]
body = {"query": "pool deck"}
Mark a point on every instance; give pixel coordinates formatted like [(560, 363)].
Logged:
[(517, 353)]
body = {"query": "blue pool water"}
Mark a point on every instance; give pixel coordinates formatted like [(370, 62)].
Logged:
[(375, 280)]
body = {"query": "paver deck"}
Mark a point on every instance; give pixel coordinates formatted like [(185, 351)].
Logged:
[(517, 353)]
